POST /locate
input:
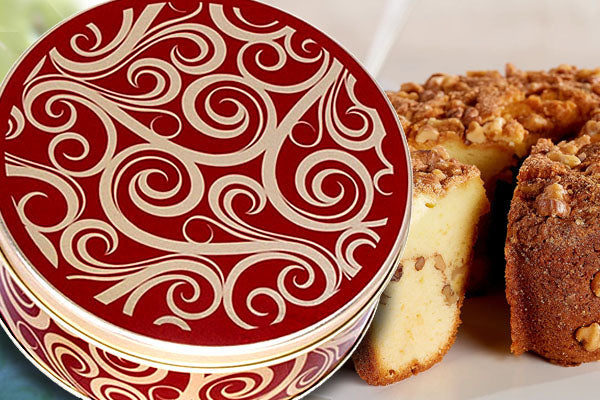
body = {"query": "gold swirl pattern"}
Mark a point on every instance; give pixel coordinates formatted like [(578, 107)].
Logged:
[(102, 376), (16, 123), (188, 166)]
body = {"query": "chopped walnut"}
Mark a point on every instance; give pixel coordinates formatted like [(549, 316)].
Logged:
[(420, 263), (440, 264), (596, 285), (531, 188), (470, 115), (556, 191), (567, 159), (449, 81), (564, 68), (513, 132), (456, 109), (568, 148), (398, 274), (476, 133), (553, 202), (582, 141), (567, 152), (536, 122), (442, 81), (591, 128), (589, 75), (589, 337), (429, 180), (439, 174), (434, 171), (513, 110), (435, 81), (426, 134), (494, 128), (409, 95), (411, 87), (451, 297), (593, 169)]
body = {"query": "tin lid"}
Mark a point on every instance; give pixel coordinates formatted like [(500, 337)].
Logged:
[(199, 183)]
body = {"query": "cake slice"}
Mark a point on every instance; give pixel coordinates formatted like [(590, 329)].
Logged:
[(419, 312), (552, 253)]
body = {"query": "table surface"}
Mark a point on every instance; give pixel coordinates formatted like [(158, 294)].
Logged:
[(424, 37)]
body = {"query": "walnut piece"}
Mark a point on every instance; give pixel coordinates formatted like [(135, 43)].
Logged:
[(442, 81), (440, 264), (568, 148), (569, 160), (589, 337), (593, 169), (536, 122), (566, 152), (591, 128), (451, 297), (494, 128), (411, 87), (398, 274), (512, 133), (439, 174), (420, 263), (553, 202), (556, 191), (596, 284), (476, 133), (426, 134)]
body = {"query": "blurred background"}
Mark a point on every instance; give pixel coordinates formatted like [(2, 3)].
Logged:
[(397, 40)]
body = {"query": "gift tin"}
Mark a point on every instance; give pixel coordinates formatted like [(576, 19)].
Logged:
[(200, 200)]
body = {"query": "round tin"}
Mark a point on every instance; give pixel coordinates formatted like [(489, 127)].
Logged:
[(202, 200)]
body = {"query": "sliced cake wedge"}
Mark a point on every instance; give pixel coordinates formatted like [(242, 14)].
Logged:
[(419, 312)]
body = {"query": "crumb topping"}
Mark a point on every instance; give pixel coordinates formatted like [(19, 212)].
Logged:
[(562, 177), (512, 111), (434, 172)]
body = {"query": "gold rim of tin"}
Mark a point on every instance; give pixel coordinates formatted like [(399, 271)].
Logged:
[(346, 357), (228, 369), (188, 358)]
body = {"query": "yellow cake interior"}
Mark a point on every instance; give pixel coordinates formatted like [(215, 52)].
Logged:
[(419, 313)]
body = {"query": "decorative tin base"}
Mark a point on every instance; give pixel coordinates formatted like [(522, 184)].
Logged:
[(89, 372), (75, 393)]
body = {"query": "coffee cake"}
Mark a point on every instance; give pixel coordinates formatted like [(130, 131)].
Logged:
[(419, 312)]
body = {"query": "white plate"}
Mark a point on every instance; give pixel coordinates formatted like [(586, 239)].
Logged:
[(479, 366)]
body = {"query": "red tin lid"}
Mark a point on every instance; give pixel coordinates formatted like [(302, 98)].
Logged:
[(198, 173)]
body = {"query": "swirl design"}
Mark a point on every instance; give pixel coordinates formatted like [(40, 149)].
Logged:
[(206, 167), (100, 375)]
